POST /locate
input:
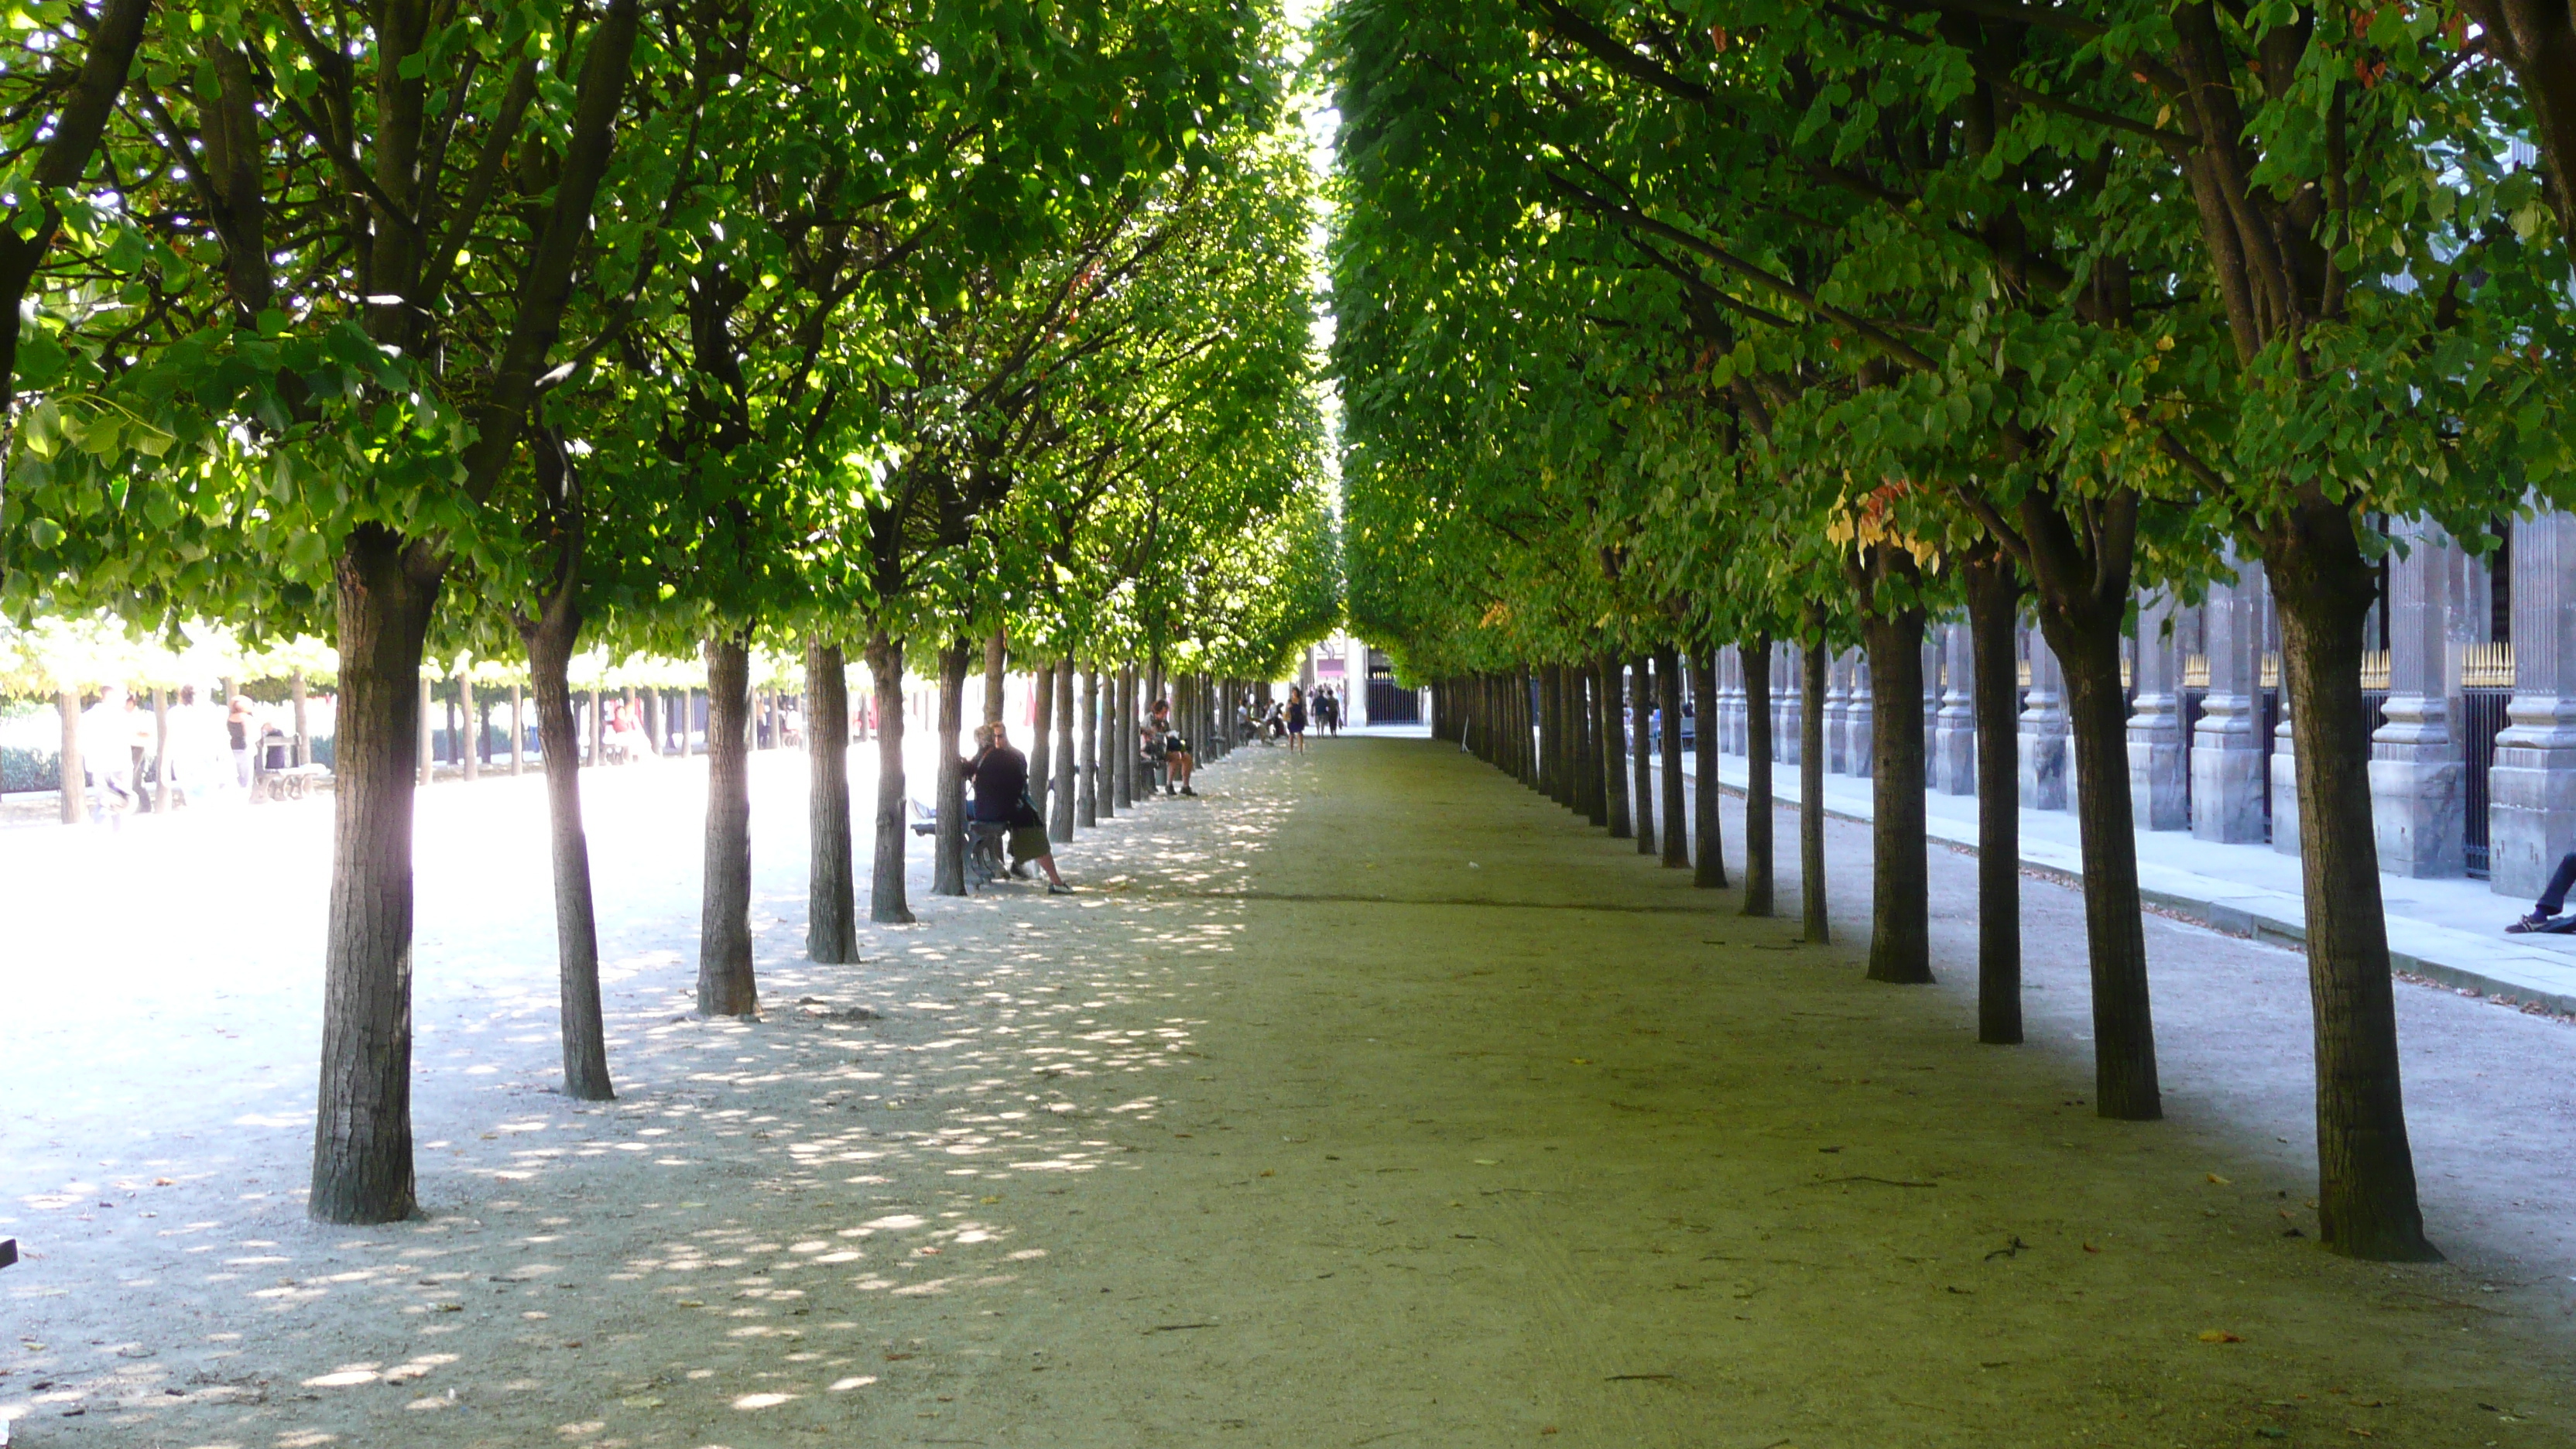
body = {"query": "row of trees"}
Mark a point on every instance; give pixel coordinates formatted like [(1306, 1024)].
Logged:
[(441, 325), (1684, 323)]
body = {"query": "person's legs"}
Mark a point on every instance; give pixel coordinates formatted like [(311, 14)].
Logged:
[(1055, 879), (2554, 899)]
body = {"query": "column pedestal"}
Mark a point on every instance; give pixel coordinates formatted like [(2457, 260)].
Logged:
[(2418, 809), (2042, 743), (2228, 781), (2531, 790), (2156, 754), (1954, 732)]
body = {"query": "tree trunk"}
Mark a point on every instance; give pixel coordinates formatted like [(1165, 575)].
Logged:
[(996, 659), (2322, 589), (1706, 818), (1994, 594), (1900, 934), (1060, 812), (1122, 737), (550, 639), (1754, 659), (1614, 746), (653, 721), (831, 882), (466, 745), (1668, 699), (303, 754), (518, 729), (1086, 809), (1584, 729), (1552, 773), (1041, 750), (428, 749), (886, 905), (75, 780), (362, 1167), (1641, 709), (1811, 780), (2124, 1034), (1104, 743), (725, 984), (948, 861)]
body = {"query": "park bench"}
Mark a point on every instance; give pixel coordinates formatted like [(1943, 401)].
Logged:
[(293, 783), (925, 818)]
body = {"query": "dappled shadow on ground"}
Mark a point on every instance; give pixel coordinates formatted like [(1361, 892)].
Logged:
[(1369, 1100)]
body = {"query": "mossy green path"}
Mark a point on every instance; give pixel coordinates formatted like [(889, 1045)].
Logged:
[(1502, 1134)]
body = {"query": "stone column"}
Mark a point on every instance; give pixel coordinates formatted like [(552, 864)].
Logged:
[(2531, 790), (2227, 781), (1788, 706), (1954, 728), (2043, 732), (2155, 721), (2418, 804), (1859, 722), (1838, 713)]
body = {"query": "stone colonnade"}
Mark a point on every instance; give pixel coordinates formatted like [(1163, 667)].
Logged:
[(2209, 726)]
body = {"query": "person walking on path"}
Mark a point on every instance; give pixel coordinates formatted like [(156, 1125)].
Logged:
[(1177, 761), (1328, 711), (1296, 720), (1000, 776)]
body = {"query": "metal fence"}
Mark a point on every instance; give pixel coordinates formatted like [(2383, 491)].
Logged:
[(2482, 719)]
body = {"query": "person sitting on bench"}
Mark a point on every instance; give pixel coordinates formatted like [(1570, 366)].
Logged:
[(1177, 761), (1000, 775), (2552, 900)]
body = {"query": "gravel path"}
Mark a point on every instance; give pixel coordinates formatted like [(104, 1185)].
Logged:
[(1368, 1100)]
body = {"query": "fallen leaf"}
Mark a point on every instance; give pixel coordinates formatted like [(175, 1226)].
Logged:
[(2222, 1182), (2088, 1247), (2218, 1335)]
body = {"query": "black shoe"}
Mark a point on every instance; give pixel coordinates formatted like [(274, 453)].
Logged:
[(1186, 790), (1058, 888), (2530, 925)]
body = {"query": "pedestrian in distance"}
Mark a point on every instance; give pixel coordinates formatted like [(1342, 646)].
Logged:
[(111, 743), (238, 724), (1296, 719)]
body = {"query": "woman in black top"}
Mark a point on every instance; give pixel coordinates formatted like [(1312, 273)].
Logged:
[(1000, 775)]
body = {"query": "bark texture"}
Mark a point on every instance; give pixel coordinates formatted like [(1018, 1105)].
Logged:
[(1710, 872), (362, 1160), (1641, 711), (948, 860), (1086, 808), (1994, 596), (1900, 937), (1811, 781), (74, 778), (725, 984), (2323, 589), (1060, 814), (831, 880), (550, 638), (886, 904), (1668, 690), (1755, 659)]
